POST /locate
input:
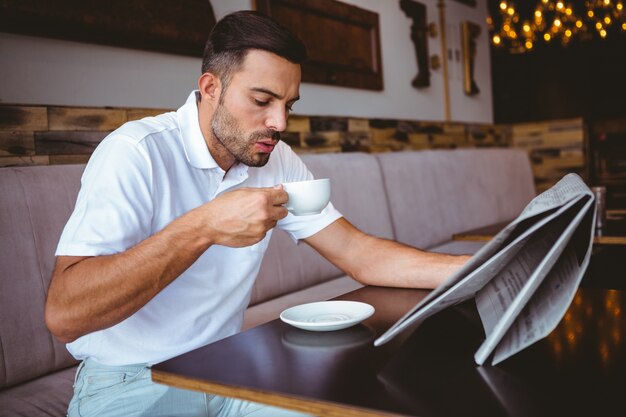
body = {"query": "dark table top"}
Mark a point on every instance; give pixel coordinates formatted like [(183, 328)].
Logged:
[(428, 370)]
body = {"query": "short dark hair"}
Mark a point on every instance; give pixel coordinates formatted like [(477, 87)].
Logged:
[(235, 34)]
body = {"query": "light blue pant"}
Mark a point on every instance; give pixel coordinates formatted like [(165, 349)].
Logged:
[(128, 391)]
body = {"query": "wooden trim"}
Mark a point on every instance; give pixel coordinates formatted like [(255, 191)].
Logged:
[(477, 236), (277, 400), (597, 240), (615, 213), (609, 240), (444, 59)]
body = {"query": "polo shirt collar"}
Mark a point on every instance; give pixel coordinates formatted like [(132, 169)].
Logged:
[(196, 150)]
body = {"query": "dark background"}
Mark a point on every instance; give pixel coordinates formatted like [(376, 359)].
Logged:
[(584, 79)]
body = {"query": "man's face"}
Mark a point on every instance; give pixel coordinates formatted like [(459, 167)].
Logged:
[(242, 145), (251, 113)]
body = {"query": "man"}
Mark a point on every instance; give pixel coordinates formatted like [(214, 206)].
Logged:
[(170, 226)]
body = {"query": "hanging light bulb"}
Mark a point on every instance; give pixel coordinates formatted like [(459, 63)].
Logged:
[(555, 20)]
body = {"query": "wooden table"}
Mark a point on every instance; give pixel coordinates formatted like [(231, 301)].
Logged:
[(613, 234), (580, 369)]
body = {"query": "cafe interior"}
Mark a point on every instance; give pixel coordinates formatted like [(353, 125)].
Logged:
[(437, 121)]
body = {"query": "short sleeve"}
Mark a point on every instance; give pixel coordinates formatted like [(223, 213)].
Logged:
[(302, 227), (114, 207)]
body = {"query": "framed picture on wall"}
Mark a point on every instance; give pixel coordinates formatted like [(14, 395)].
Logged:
[(471, 3), (470, 31), (343, 41), (178, 27)]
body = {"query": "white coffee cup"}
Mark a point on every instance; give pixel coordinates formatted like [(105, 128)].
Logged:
[(307, 197)]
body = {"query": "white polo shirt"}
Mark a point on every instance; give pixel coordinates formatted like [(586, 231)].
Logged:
[(139, 179)]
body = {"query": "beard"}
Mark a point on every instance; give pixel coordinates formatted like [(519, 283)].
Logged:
[(226, 129)]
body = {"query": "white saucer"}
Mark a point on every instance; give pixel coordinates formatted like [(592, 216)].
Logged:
[(327, 315)]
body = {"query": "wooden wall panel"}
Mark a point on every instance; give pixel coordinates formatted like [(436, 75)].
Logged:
[(68, 135), (16, 143), (179, 27), (66, 118), (68, 142), (23, 118), (343, 41)]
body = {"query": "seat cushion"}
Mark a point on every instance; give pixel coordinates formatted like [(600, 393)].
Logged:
[(48, 395), (461, 247), (434, 194), (35, 204)]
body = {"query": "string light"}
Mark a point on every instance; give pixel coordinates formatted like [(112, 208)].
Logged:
[(555, 20)]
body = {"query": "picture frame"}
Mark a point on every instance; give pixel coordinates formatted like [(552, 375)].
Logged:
[(343, 41), (470, 3), (177, 27), (469, 32)]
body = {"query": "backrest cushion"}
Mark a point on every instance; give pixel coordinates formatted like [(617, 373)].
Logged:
[(357, 191), (35, 203), (434, 194)]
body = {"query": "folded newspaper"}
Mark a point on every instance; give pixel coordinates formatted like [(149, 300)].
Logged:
[(524, 279)]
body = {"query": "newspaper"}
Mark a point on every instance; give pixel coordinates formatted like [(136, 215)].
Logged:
[(524, 279)]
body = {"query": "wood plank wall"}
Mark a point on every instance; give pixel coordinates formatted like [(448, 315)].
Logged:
[(555, 147), (49, 135), (43, 135)]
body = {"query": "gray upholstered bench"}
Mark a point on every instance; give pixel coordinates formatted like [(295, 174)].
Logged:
[(419, 198)]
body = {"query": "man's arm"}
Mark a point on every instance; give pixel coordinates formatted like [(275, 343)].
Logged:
[(376, 261), (92, 293)]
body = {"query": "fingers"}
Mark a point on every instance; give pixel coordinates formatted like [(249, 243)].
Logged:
[(277, 213), (278, 195), (275, 209), (243, 217)]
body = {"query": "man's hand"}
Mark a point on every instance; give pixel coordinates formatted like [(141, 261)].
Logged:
[(243, 217)]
